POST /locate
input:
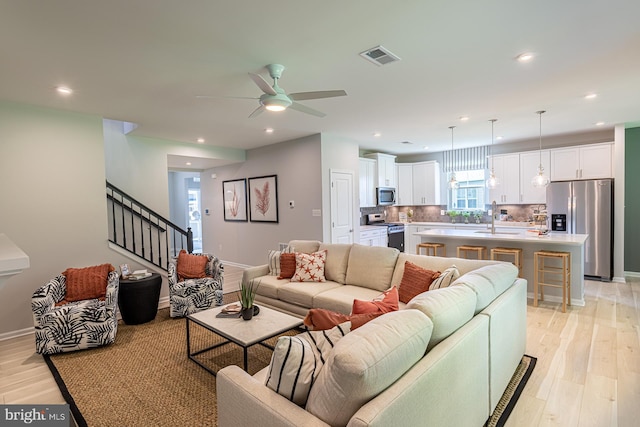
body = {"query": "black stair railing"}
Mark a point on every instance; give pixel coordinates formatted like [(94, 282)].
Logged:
[(143, 232)]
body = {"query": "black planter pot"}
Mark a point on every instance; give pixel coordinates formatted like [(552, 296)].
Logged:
[(247, 313)]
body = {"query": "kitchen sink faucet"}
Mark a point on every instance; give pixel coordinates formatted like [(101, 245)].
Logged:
[(494, 209)]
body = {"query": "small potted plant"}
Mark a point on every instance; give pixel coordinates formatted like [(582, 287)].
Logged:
[(478, 216), (466, 216), (453, 215), (246, 296)]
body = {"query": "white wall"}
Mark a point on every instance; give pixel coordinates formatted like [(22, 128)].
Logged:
[(298, 167)]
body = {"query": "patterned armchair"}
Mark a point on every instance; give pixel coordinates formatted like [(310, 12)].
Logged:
[(74, 325), (193, 295)]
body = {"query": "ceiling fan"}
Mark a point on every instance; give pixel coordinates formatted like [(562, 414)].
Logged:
[(275, 98)]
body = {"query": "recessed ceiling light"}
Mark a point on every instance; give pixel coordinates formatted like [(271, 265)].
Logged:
[(269, 130), (464, 118), (426, 147), (591, 96), (188, 163), (499, 137), (525, 57), (63, 90), (599, 123), (200, 140), (377, 134)]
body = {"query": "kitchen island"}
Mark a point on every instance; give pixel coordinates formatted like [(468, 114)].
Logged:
[(573, 243)]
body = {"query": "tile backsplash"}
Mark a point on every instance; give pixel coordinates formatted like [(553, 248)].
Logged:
[(432, 213)]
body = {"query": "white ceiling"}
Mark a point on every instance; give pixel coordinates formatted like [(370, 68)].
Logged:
[(145, 61)]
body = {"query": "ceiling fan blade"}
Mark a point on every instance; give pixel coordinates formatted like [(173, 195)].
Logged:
[(262, 84), (305, 109), (256, 112), (302, 96)]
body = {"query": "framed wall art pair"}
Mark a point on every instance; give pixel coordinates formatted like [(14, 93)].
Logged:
[(262, 195)]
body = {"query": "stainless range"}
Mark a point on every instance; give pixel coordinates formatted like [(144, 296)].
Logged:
[(395, 230)]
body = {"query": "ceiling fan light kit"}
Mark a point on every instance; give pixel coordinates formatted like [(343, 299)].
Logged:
[(275, 98)]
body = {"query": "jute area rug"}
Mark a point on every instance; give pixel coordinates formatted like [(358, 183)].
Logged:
[(145, 377)]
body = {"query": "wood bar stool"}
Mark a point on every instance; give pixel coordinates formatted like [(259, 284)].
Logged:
[(431, 248), (479, 250), (516, 253), (544, 270)]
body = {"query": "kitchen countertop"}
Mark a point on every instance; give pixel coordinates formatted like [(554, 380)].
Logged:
[(516, 224), (523, 237)]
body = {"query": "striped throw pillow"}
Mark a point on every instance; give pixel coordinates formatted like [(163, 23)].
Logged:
[(447, 277), (274, 260), (296, 361)]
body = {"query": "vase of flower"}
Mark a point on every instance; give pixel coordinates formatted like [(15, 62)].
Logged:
[(247, 295), (478, 216), (453, 215), (466, 216)]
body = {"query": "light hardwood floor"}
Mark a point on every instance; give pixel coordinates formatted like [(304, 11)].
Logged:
[(587, 374)]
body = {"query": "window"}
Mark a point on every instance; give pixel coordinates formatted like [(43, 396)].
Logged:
[(470, 194)]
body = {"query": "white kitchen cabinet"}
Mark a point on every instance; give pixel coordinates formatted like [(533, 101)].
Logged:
[(593, 161), (404, 194), (410, 240), (374, 237), (529, 163), (426, 183), (507, 170), (385, 169), (367, 182)]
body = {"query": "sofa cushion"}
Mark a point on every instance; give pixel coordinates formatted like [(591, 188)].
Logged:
[(302, 293), (446, 278), (367, 361), (87, 283), (269, 286), (415, 280), (385, 303), (310, 267), (335, 268), (489, 282), (297, 360), (371, 266), (305, 246), (448, 308), (341, 298)]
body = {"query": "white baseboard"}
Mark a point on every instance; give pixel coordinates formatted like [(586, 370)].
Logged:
[(235, 264), (558, 299), (18, 333), (631, 274)]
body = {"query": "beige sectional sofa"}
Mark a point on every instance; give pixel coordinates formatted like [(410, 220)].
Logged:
[(476, 332)]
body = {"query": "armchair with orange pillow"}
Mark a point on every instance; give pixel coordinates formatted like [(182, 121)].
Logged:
[(76, 310), (195, 283)]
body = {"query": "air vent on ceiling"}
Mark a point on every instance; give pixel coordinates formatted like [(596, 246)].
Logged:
[(379, 56)]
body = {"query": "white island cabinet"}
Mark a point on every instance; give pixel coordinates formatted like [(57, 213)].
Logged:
[(572, 243)]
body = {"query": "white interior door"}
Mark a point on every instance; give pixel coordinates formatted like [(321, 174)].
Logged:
[(342, 207)]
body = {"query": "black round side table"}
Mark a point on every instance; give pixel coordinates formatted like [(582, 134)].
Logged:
[(138, 299)]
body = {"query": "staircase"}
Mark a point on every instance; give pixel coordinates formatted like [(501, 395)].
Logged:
[(142, 232)]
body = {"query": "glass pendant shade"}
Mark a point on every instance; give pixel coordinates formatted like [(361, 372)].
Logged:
[(453, 182), (540, 180), (492, 182)]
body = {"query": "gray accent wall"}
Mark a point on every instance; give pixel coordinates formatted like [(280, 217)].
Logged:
[(632, 201)]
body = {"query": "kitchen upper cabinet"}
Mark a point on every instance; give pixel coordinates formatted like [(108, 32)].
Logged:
[(507, 169), (367, 170), (529, 163), (591, 161), (405, 184), (385, 170), (426, 183)]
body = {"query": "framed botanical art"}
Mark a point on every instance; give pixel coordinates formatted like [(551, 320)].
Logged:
[(234, 195), (263, 198)]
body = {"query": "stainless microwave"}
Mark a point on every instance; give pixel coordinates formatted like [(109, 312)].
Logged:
[(385, 196)]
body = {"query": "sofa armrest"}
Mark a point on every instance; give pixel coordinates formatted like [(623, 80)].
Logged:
[(255, 272), (245, 401)]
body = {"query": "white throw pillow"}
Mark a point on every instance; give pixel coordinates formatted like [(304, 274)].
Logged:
[(274, 260), (447, 277), (310, 267), (297, 360)]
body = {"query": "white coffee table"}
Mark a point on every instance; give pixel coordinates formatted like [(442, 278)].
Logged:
[(245, 333)]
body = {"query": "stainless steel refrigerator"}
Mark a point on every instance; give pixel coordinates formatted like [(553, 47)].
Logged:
[(586, 207)]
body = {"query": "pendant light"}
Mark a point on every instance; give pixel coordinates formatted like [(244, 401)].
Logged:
[(453, 182), (492, 182), (540, 180)]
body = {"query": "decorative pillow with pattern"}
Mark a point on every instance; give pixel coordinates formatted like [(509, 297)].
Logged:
[(447, 277), (310, 267), (387, 302), (87, 283), (274, 260), (297, 360), (415, 280)]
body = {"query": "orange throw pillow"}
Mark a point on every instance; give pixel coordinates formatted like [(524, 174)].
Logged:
[(191, 266), (287, 266), (87, 283), (319, 319), (415, 280), (388, 303)]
